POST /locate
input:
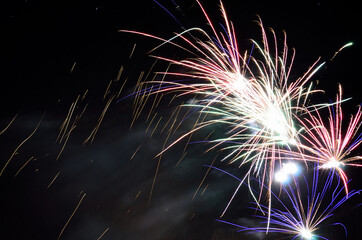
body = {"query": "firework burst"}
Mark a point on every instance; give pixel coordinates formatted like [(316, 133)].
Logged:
[(250, 94), (305, 208), (328, 143)]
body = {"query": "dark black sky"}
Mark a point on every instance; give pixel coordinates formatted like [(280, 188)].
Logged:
[(44, 38), (41, 42)]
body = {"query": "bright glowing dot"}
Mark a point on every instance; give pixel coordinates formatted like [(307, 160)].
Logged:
[(306, 234), (285, 140), (239, 84), (290, 168), (332, 163), (292, 141), (281, 177), (275, 121)]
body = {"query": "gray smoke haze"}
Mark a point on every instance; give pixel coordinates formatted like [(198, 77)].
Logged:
[(117, 185)]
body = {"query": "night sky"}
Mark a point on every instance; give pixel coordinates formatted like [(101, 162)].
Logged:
[(54, 51)]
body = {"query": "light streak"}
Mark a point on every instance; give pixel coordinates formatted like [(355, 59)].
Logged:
[(19, 146), (71, 216), (70, 122), (104, 232), (9, 124), (344, 46), (26, 163)]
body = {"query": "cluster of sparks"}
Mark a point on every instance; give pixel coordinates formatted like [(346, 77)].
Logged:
[(269, 122)]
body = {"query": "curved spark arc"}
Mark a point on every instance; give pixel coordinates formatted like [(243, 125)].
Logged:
[(327, 143), (300, 215)]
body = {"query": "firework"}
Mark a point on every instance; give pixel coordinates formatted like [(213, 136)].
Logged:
[(305, 208), (250, 94), (328, 143)]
